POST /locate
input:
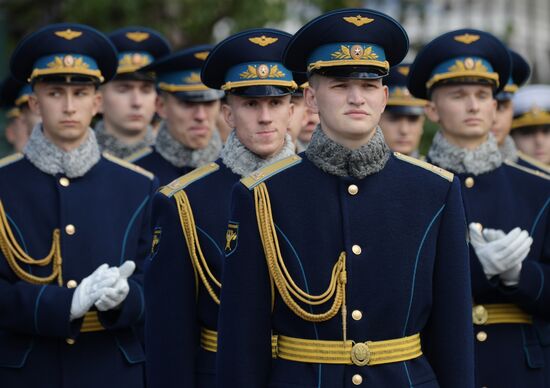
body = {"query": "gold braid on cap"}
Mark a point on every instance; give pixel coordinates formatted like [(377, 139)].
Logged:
[(14, 254), (279, 274)]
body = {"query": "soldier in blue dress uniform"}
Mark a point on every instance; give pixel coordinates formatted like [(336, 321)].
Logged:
[(74, 226), (531, 126), (14, 97), (187, 137), (505, 114), (129, 98), (507, 207), (352, 260), (403, 119), (182, 283)]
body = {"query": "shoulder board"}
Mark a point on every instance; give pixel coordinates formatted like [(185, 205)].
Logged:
[(182, 182), (528, 170), (128, 165), (537, 163), (7, 160), (425, 165), (134, 157), (268, 171)]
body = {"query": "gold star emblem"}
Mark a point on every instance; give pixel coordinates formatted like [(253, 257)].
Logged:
[(263, 71), (469, 63), (68, 60), (356, 51)]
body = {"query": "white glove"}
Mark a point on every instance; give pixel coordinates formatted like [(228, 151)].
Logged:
[(113, 296), (89, 290), (499, 253)]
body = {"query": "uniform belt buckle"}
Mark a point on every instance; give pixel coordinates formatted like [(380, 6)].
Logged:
[(360, 353)]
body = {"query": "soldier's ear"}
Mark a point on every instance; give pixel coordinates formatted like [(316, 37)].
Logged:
[(227, 112), (160, 105), (311, 100), (33, 104), (431, 112)]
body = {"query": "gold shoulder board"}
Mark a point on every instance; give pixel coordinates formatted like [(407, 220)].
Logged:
[(139, 154), (534, 162), (128, 165), (183, 181), (262, 174), (425, 165), (528, 170), (5, 161)]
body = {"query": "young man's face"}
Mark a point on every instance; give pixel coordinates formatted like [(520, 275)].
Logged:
[(402, 132), (191, 123), (465, 113), (16, 133), (534, 141), (298, 116), (260, 123), (311, 119), (66, 110), (128, 106), (503, 120), (349, 109)]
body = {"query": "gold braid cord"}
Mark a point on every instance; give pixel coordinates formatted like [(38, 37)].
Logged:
[(200, 265), (288, 289), (14, 254)]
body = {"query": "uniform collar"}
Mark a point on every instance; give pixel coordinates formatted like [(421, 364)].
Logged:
[(335, 159), (48, 158), (483, 159), (108, 142), (181, 156), (243, 162), (508, 149)]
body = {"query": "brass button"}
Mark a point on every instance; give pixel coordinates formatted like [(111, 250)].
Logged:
[(481, 336), (469, 182), (356, 315), (353, 189), (70, 229), (479, 315), (70, 341), (72, 284), (64, 181), (357, 379), (356, 249)]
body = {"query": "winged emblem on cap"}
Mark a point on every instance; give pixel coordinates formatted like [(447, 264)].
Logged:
[(193, 78), (202, 55), (346, 53), (468, 65), (263, 40), (68, 34), (262, 71), (404, 70), (137, 36), (358, 20), (466, 38)]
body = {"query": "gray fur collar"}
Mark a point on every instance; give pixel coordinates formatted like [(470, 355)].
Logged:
[(338, 160), (243, 162), (483, 159), (48, 158), (108, 142), (181, 156), (508, 149)]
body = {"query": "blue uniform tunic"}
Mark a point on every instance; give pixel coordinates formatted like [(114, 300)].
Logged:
[(104, 217), (151, 160), (178, 304), (513, 355), (410, 275)]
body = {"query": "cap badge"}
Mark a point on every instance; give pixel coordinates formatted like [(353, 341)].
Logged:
[(137, 36), (263, 40), (468, 64), (358, 20), (466, 38), (193, 78), (202, 55), (68, 34), (262, 71), (355, 52)]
